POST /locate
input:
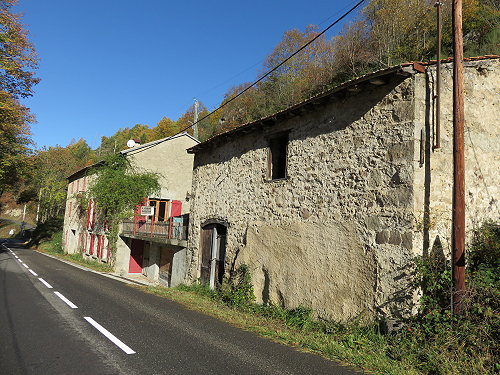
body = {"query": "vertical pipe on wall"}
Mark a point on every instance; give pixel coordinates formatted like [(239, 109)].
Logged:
[(437, 144)]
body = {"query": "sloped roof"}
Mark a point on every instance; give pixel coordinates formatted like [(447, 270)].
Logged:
[(125, 152), (306, 105), (158, 141)]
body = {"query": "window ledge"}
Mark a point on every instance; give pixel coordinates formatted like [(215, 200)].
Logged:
[(276, 179)]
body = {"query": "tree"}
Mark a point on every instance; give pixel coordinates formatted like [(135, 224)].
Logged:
[(307, 73), (118, 141), (18, 59), (14, 140), (165, 128), (17, 63), (49, 168), (118, 187)]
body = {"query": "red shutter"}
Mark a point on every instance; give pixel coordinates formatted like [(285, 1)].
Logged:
[(92, 240), (89, 212), (176, 208), (99, 246), (94, 214), (137, 211)]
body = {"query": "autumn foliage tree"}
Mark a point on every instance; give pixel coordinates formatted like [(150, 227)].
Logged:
[(384, 33), (50, 167), (17, 64)]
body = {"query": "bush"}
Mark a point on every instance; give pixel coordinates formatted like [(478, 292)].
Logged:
[(45, 231), (238, 290), (437, 341)]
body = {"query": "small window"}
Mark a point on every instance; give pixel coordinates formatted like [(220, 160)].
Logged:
[(161, 208), (277, 164)]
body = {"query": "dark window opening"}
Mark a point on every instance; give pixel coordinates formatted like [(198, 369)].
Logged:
[(161, 208), (278, 157)]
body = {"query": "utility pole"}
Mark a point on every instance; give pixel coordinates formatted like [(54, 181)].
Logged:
[(437, 144), (38, 205), (195, 125), (458, 219)]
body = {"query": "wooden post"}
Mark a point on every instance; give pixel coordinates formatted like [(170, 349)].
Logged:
[(458, 220)]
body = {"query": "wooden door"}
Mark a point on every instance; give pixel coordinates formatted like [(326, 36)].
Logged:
[(206, 252), (136, 254)]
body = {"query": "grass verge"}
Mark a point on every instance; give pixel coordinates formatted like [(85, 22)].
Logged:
[(54, 247), (449, 348)]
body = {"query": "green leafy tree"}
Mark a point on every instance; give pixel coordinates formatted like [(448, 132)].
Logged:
[(14, 141), (49, 168), (119, 186)]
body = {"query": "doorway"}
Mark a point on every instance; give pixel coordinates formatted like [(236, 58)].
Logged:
[(213, 253), (136, 254)]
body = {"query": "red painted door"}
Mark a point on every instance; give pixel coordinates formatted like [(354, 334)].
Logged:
[(136, 253)]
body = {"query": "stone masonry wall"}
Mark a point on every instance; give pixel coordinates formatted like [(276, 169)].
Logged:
[(434, 180), (336, 235)]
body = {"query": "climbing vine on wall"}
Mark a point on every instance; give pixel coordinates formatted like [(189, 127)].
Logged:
[(117, 188)]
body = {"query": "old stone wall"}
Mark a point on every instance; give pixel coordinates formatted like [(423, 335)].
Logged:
[(434, 180), (336, 235)]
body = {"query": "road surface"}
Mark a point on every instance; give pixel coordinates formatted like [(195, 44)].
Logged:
[(59, 319)]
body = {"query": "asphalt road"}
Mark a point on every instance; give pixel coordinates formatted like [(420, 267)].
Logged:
[(106, 327)]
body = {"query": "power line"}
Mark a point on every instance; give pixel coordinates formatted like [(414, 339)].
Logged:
[(261, 61), (276, 67)]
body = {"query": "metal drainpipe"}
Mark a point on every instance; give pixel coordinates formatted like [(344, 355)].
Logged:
[(438, 6), (214, 257)]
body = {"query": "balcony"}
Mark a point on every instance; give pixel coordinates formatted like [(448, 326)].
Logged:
[(172, 232)]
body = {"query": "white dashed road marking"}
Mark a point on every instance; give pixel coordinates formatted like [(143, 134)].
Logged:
[(45, 283), (33, 273), (25, 265), (109, 335), (67, 301)]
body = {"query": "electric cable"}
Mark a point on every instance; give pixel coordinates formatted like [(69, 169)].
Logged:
[(263, 77), (275, 68)]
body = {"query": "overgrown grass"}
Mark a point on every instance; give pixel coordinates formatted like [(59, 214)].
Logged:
[(54, 247), (433, 342)]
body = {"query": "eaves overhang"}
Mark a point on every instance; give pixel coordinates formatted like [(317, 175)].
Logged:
[(353, 86)]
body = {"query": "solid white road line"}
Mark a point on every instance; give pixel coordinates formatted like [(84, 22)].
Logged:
[(109, 335), (67, 301), (25, 265), (45, 283), (33, 273)]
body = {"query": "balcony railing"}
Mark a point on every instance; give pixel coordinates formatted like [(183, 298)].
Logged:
[(176, 228)]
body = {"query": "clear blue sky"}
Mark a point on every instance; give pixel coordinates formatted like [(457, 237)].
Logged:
[(110, 64)]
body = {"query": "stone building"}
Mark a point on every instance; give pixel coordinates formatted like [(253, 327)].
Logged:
[(154, 246), (329, 201)]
